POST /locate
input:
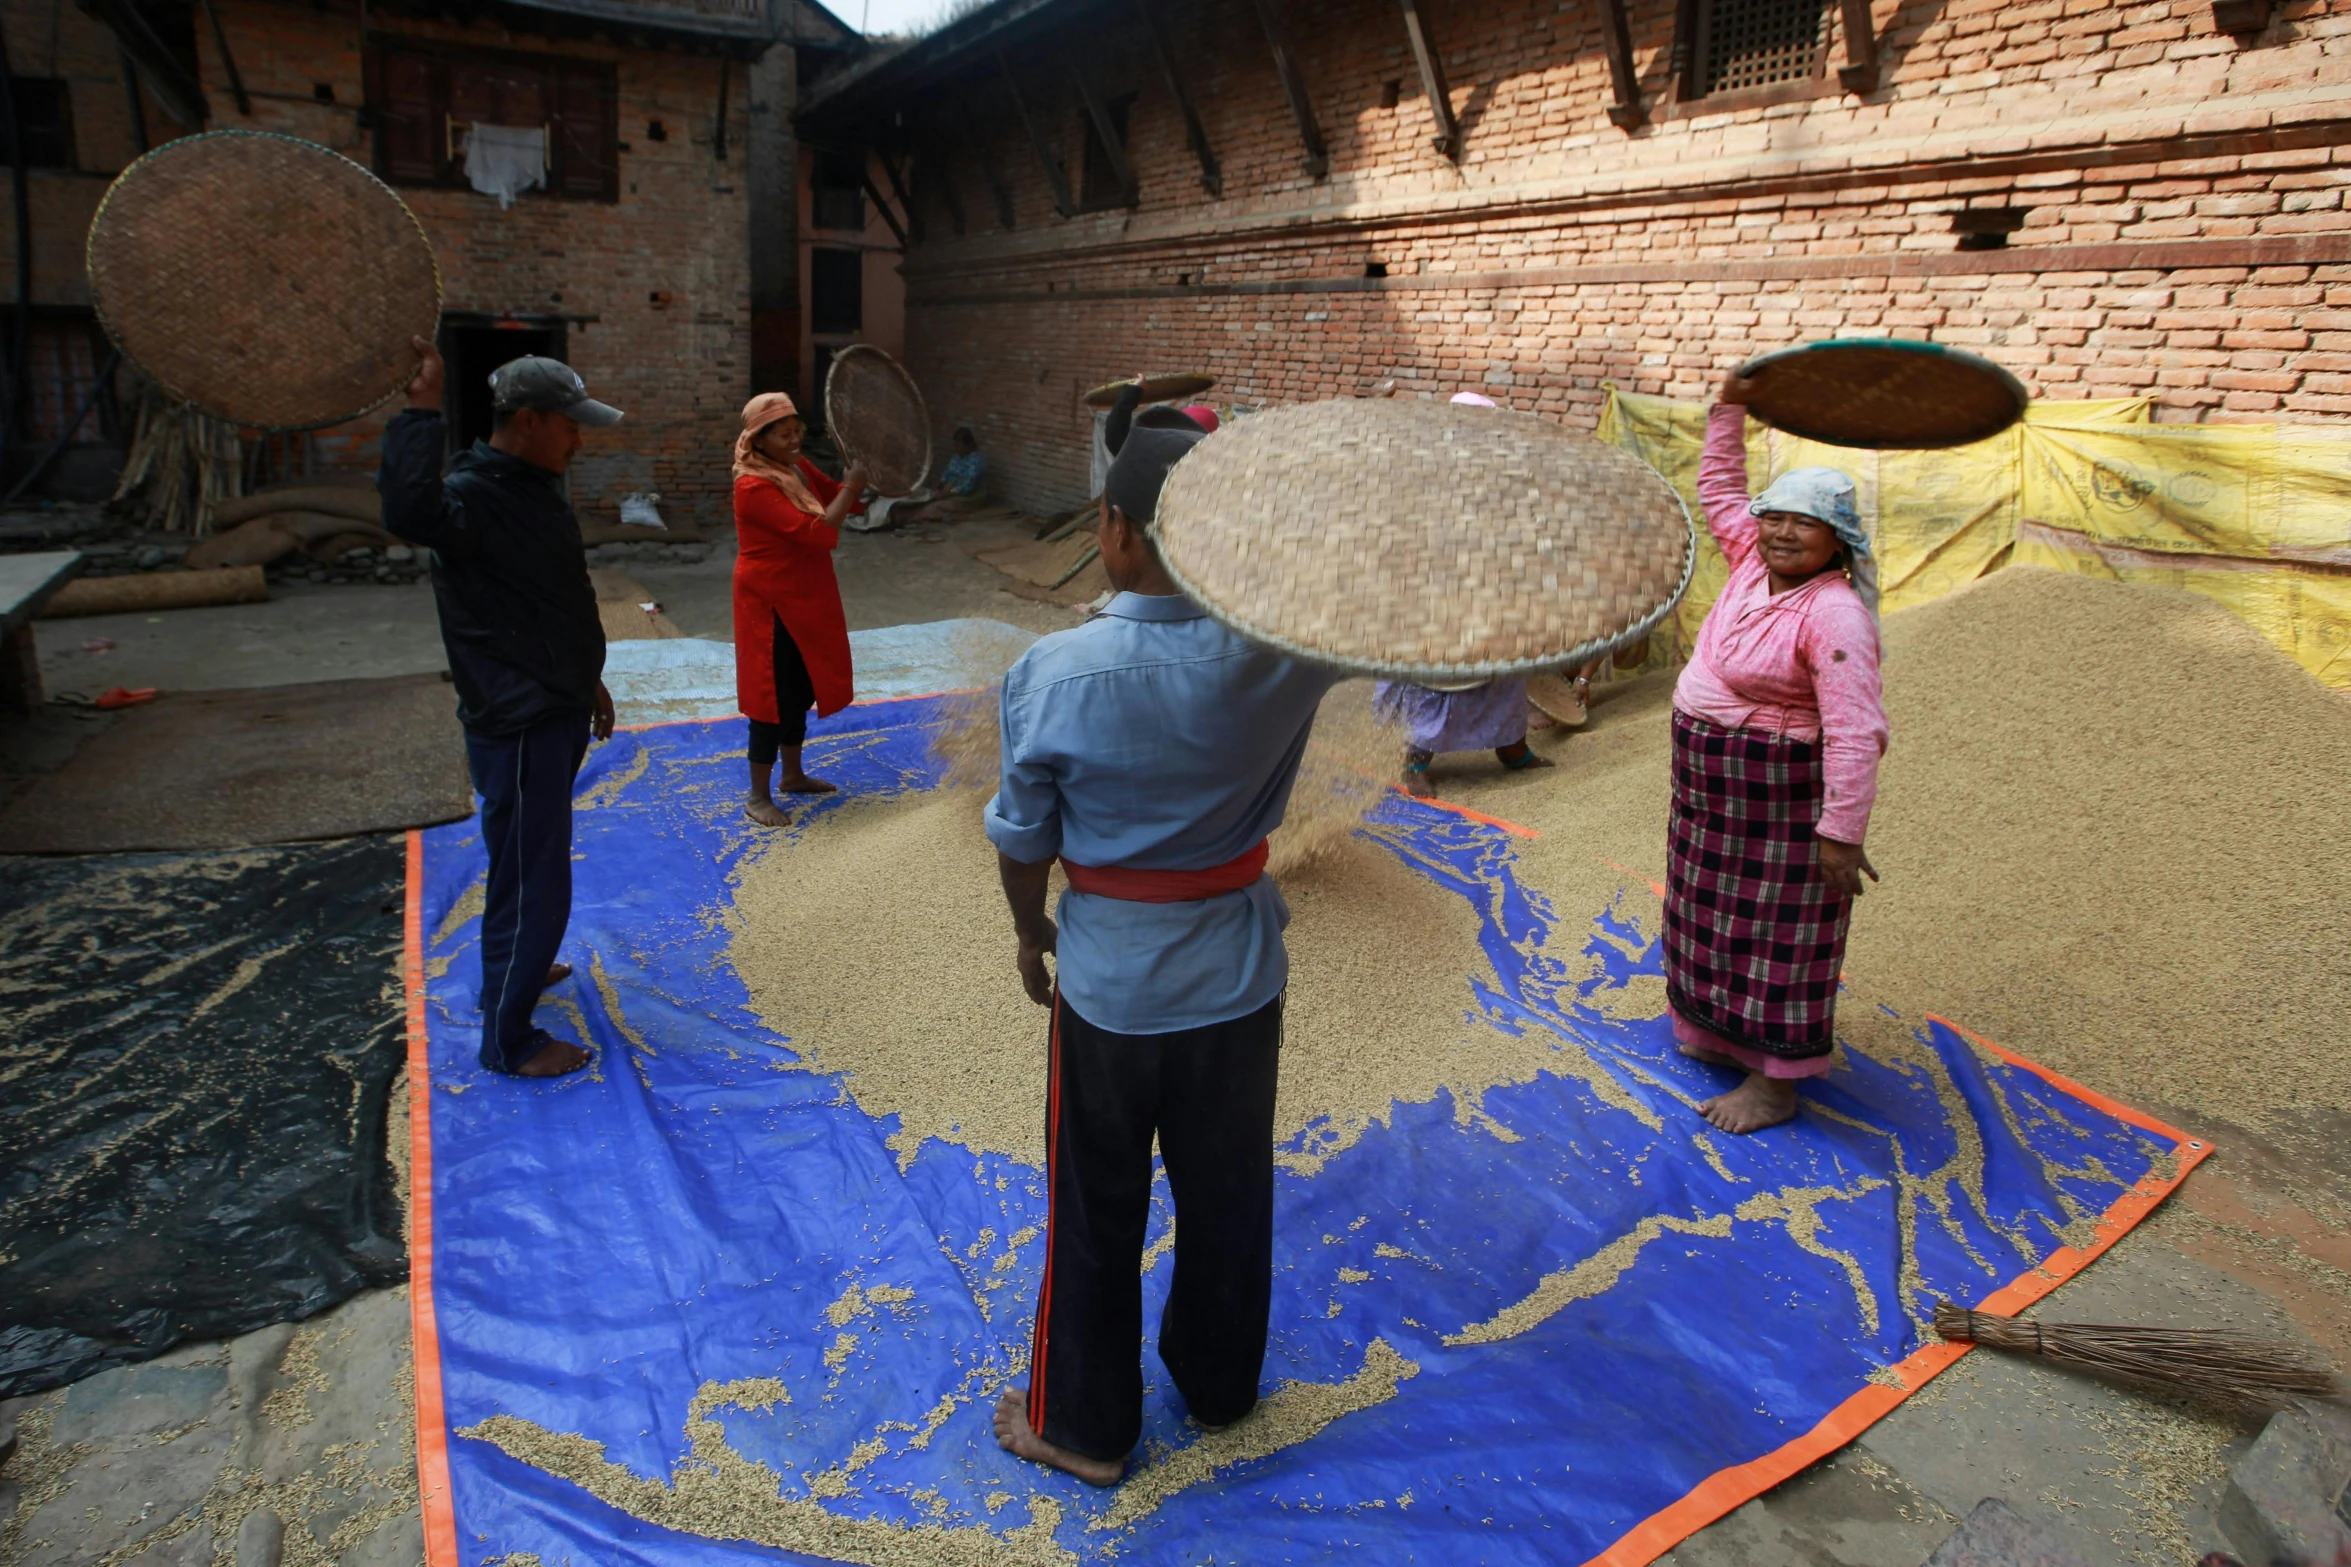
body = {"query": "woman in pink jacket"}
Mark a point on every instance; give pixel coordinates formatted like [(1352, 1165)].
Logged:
[(1777, 731)]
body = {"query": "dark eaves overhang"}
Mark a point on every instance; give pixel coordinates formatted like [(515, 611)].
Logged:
[(742, 30), (882, 81)]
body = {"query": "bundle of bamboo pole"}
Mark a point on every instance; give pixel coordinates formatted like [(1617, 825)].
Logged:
[(182, 462)]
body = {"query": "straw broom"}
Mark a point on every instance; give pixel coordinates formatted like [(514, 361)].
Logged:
[(2211, 1362)]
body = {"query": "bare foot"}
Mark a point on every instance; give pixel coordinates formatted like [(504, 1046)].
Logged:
[(554, 1059), (557, 973), (1710, 1057), (1521, 757), (1753, 1105), (801, 783), (1015, 1437), (1418, 786), (765, 812)]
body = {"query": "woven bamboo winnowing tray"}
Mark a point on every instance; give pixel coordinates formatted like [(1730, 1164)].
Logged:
[(1156, 389), (263, 278), (877, 417), (1884, 394), (1425, 541)]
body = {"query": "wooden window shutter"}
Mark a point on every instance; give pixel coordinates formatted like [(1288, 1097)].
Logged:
[(587, 134), (408, 117)]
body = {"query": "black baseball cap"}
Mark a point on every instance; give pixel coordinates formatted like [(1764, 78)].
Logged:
[(551, 386), (1159, 440)]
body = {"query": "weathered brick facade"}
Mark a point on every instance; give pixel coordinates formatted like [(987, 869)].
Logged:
[(653, 288), (656, 285), (2179, 190)]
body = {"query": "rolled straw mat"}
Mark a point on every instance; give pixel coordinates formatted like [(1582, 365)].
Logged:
[(1156, 389), (1884, 393), (877, 417), (264, 279), (1430, 542)]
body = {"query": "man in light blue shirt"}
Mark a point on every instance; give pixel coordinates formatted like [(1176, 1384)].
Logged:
[(1151, 751)]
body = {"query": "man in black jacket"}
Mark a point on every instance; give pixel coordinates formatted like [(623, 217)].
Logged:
[(526, 650)]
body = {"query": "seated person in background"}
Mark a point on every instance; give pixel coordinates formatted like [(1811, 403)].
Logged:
[(959, 490), (967, 470)]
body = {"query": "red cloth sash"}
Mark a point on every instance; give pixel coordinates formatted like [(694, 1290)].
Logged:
[(1141, 886)]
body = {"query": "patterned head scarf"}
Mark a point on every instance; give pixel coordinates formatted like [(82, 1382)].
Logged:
[(751, 462), (1826, 495)]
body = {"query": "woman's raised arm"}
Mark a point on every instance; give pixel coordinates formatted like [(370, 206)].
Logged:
[(1722, 473)]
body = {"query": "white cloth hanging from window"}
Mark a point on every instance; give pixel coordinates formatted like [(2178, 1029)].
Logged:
[(505, 160)]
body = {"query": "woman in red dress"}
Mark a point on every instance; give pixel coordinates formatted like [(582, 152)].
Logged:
[(791, 636)]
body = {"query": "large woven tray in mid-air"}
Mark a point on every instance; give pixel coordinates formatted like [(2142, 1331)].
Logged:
[(1155, 389), (1884, 393), (1426, 541), (263, 278), (877, 417)]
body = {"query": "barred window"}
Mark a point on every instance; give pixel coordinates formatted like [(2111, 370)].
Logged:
[(1759, 43)]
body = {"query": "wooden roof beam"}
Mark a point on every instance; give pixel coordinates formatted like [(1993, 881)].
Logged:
[(1285, 64), (1616, 37), (874, 194), (1060, 181), (1432, 81), (905, 202), (1211, 176), (1114, 147), (997, 187), (1859, 74)]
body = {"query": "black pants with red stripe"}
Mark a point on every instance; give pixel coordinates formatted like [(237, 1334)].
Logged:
[(1208, 1094)]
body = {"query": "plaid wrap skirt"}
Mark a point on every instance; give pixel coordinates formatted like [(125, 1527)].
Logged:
[(1754, 938)]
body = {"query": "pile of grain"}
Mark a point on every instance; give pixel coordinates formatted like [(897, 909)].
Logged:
[(1344, 773), (2109, 827), (2112, 836), (913, 998), (916, 1002)]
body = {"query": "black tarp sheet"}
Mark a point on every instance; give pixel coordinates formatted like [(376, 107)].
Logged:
[(196, 1060)]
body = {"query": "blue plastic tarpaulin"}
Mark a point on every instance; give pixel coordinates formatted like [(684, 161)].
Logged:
[(688, 1307)]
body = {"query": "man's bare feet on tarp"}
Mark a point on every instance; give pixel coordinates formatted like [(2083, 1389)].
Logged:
[(1710, 1057), (1753, 1105), (1015, 1437), (555, 1058), (765, 812), (801, 783), (557, 973)]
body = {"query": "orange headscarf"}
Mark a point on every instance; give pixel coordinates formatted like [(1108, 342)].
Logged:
[(750, 461)]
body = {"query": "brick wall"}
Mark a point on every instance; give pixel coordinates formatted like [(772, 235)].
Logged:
[(2180, 194), (47, 41), (679, 365)]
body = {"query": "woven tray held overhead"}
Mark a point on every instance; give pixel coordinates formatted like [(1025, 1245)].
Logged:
[(266, 279), (1155, 389), (877, 417), (1425, 541), (1884, 394)]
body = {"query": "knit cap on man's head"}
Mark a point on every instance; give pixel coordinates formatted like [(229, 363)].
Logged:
[(1159, 440)]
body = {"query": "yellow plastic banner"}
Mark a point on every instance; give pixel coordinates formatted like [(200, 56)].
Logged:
[(2257, 517), (2254, 491)]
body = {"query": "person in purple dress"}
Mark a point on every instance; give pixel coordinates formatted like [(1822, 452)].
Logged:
[(1492, 713)]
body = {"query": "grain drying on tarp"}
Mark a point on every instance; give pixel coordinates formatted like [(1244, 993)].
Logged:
[(2112, 834), (877, 941)]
